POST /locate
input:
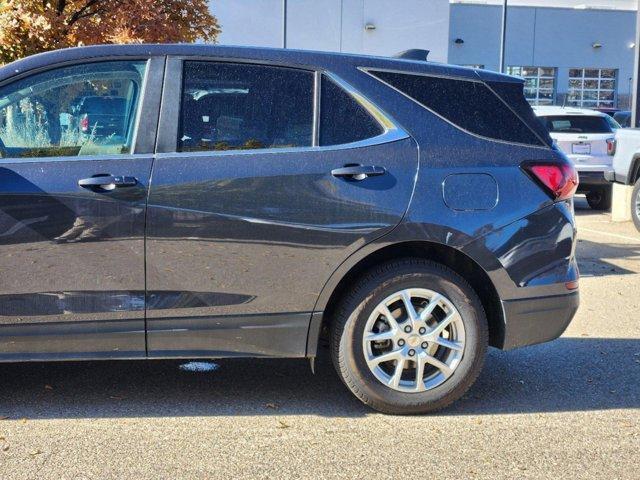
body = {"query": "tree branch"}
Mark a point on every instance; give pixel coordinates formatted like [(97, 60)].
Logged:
[(61, 6), (82, 12)]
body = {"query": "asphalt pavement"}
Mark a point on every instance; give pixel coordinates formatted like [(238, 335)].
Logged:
[(568, 409)]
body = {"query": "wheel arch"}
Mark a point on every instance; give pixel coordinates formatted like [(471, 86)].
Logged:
[(634, 170), (449, 256)]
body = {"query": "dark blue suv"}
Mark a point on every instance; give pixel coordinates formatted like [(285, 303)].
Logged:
[(257, 202)]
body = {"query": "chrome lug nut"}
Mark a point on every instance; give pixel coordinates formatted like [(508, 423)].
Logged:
[(412, 352), (424, 345), (407, 329), (422, 330), (400, 342)]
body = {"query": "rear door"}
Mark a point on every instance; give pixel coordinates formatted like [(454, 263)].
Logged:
[(271, 178), (72, 211)]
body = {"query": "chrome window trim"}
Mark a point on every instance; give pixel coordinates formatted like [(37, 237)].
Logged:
[(82, 158), (368, 71), (389, 137), (317, 83)]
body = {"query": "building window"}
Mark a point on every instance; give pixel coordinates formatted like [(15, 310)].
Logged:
[(592, 87), (539, 83)]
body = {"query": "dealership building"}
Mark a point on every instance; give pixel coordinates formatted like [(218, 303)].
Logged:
[(577, 52)]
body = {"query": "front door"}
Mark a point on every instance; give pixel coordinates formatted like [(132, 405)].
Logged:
[(259, 203), (73, 190)]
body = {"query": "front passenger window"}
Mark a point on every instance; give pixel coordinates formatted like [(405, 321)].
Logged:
[(243, 107), (86, 109)]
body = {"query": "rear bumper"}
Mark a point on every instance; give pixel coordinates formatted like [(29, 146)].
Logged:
[(588, 179), (614, 177), (537, 320)]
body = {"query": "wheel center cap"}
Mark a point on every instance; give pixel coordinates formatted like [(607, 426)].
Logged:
[(414, 340)]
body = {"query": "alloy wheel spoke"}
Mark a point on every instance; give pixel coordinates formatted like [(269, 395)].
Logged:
[(397, 373), (457, 346), (428, 310), (443, 324), (443, 367), (411, 311), (420, 373), (385, 357), (386, 313), (382, 336)]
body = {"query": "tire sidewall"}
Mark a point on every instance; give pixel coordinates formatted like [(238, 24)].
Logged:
[(463, 298), (635, 198)]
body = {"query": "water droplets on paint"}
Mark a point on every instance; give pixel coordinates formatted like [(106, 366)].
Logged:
[(199, 367)]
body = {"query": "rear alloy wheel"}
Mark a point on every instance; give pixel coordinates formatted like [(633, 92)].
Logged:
[(414, 340), (410, 337), (600, 198), (635, 205)]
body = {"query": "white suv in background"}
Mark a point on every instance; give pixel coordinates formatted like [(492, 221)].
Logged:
[(587, 137)]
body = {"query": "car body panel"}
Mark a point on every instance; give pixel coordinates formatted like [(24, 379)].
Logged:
[(72, 259), (264, 243), (626, 161), (244, 250)]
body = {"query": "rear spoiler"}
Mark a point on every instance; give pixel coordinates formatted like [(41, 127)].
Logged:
[(413, 54)]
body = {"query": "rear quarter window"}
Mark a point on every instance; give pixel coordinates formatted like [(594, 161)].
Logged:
[(468, 104), (577, 124), (342, 118)]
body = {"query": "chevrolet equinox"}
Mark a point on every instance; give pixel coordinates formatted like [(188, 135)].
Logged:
[(233, 202)]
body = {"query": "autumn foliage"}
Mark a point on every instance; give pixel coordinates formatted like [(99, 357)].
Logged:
[(32, 26)]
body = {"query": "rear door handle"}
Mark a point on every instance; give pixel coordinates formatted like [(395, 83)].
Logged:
[(108, 180), (358, 172)]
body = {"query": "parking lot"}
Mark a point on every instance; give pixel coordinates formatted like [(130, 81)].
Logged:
[(567, 409)]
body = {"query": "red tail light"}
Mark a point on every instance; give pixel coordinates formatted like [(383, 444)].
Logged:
[(611, 146), (84, 123), (560, 180)]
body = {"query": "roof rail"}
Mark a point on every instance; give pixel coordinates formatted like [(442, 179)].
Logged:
[(413, 54)]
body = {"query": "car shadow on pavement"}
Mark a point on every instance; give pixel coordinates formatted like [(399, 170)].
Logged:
[(569, 374), (594, 259)]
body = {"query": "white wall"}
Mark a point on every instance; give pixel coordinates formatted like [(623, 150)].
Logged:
[(249, 22), (338, 25)]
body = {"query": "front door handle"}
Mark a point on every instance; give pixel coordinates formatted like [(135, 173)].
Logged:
[(106, 181), (358, 172)]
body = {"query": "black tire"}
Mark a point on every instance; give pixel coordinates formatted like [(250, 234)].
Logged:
[(349, 324), (635, 205), (600, 198)]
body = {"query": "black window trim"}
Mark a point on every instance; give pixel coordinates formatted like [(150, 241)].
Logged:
[(168, 127), (144, 131), (369, 70)]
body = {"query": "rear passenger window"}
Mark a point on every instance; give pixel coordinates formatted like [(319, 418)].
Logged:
[(468, 104), (237, 106), (342, 118)]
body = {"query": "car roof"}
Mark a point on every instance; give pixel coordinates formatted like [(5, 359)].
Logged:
[(548, 110), (326, 60)]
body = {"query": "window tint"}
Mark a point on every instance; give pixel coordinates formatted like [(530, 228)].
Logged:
[(471, 105), (613, 123), (342, 118), (577, 124), (512, 94), (233, 106), (86, 109)]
